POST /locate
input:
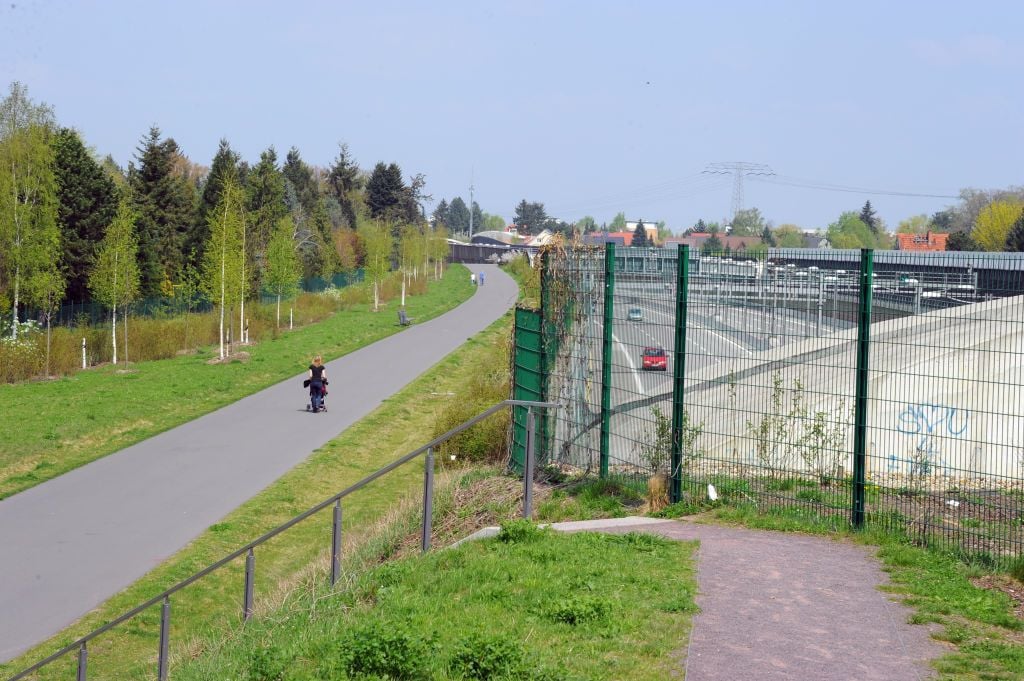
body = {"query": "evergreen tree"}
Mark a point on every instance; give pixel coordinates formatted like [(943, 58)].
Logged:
[(86, 204), (265, 199), (114, 280), (458, 216), (301, 176), (530, 218), (386, 193), (344, 180), (29, 236), (712, 246), (163, 202), (1015, 238), (478, 218), (767, 237), (961, 241), (440, 215), (225, 164), (639, 235), (869, 218)]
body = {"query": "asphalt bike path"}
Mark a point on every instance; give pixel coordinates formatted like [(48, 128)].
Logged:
[(70, 543)]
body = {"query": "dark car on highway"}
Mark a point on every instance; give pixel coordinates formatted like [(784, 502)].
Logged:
[(654, 359)]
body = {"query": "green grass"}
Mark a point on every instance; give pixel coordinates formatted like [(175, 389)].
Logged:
[(49, 428), (530, 604), (398, 426), (589, 499)]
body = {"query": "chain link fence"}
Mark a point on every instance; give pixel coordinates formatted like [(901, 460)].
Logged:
[(880, 388)]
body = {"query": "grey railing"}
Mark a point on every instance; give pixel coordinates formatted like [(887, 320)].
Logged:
[(164, 598)]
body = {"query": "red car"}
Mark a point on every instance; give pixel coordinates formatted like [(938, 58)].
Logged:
[(655, 359)]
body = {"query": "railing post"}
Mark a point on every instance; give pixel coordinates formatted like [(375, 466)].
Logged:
[(83, 663), (165, 632), (606, 355), (428, 500), (531, 436), (336, 544), (679, 373), (860, 415), (250, 573)]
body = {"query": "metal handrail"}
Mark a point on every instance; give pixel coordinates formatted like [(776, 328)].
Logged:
[(165, 595)]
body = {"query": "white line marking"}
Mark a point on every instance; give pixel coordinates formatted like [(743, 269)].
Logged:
[(629, 360)]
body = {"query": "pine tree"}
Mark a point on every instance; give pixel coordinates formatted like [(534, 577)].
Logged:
[(1015, 238), (344, 180), (440, 215), (163, 202), (386, 192), (767, 237), (265, 192), (226, 163), (869, 218), (300, 175), (29, 236), (458, 216), (639, 235), (115, 278), (86, 204)]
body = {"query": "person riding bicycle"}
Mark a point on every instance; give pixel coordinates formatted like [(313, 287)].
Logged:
[(317, 381)]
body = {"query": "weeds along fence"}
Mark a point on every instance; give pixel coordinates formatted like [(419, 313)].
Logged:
[(866, 388)]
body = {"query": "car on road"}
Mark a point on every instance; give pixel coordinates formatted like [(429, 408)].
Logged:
[(654, 359), (635, 314)]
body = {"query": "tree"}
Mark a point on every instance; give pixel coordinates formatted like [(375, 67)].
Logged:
[(86, 203), (961, 241), (29, 238), (458, 216), (1015, 238), (869, 218), (850, 232), (747, 222), (115, 279), (163, 203), (530, 218), (618, 223), (265, 200), (915, 224), (993, 224), (789, 236), (440, 215), (478, 218), (712, 245), (943, 220), (640, 235), (223, 257), (586, 224), (301, 177), (226, 163), (344, 180), (386, 192), (377, 242), (283, 271), (493, 223), (767, 237)]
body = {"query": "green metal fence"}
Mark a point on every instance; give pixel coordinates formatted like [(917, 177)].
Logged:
[(879, 388)]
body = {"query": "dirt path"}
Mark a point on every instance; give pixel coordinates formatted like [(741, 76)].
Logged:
[(790, 606)]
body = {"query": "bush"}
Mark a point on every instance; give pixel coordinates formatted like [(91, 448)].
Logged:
[(580, 610), (520, 531), (269, 664), (488, 657), (391, 652)]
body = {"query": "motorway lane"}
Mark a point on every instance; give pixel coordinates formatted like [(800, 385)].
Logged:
[(69, 544)]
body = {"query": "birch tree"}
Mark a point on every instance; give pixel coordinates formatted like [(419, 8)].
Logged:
[(29, 237), (377, 243), (223, 257), (114, 281), (283, 269)]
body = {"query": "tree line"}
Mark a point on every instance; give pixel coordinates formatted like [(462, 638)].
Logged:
[(75, 227)]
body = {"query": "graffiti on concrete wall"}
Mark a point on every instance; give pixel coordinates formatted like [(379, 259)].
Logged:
[(928, 425)]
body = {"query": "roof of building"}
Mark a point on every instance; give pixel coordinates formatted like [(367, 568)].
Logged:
[(929, 241)]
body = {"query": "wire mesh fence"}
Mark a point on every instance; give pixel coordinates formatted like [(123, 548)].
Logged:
[(874, 388)]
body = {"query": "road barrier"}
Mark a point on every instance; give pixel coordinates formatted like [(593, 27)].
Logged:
[(249, 550), (888, 394)]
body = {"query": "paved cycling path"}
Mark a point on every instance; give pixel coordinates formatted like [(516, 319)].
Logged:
[(70, 543)]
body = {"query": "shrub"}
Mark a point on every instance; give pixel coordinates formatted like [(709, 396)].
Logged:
[(580, 610), (391, 652), (520, 531), (480, 656), (269, 664)]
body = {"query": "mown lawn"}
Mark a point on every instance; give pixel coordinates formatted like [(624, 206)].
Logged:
[(49, 428)]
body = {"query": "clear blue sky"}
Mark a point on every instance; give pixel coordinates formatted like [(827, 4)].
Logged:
[(589, 107)]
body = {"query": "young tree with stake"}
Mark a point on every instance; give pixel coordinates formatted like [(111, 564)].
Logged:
[(223, 258), (114, 280), (283, 270)]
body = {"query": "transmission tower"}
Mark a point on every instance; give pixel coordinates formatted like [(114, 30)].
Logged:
[(738, 170)]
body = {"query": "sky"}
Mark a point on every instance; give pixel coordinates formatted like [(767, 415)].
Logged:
[(589, 107)]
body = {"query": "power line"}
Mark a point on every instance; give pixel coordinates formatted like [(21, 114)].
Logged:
[(738, 170), (786, 181)]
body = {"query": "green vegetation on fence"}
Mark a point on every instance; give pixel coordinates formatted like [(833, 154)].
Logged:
[(52, 427), (529, 604)]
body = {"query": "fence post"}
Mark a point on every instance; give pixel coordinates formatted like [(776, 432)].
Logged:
[(860, 415), (83, 663), (606, 354), (679, 372), (165, 632), (83, 354), (428, 500), (531, 436), (336, 544), (250, 573)]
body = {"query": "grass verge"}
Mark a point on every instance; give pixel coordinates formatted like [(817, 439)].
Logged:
[(530, 604), (52, 427)]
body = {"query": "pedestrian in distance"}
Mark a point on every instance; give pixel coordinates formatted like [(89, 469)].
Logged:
[(472, 279), (481, 278)]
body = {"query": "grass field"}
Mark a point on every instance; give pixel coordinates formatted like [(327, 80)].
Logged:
[(51, 427), (401, 424)]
